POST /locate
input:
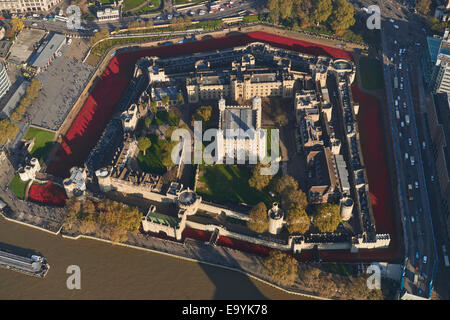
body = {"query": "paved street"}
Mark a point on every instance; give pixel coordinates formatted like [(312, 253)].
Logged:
[(421, 260)]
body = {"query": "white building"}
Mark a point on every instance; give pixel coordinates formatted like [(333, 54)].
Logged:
[(27, 5), (108, 14), (5, 83)]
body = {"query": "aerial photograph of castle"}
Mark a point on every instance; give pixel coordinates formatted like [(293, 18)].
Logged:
[(178, 150)]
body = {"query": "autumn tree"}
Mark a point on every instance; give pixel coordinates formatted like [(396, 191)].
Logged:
[(257, 180), (144, 143), (258, 222), (165, 99), (281, 183), (327, 217), (297, 221), (423, 6), (281, 268), (17, 25), (343, 15), (8, 131), (203, 113), (293, 197), (302, 11), (153, 106)]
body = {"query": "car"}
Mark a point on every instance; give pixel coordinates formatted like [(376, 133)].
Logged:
[(34, 24), (169, 17), (417, 267), (432, 178), (396, 26), (404, 105), (412, 160), (402, 124), (416, 184), (410, 141), (95, 30), (391, 20), (420, 208), (412, 219), (406, 156), (417, 255), (400, 134), (425, 259), (423, 144)]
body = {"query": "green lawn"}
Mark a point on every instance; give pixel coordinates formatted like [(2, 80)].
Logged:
[(18, 187), (43, 142), (229, 184), (177, 2), (170, 118), (338, 268), (131, 4), (371, 73), (151, 162)]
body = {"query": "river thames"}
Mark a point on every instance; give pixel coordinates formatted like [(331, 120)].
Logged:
[(115, 272)]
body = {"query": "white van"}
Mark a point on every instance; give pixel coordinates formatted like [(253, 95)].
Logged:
[(396, 103), (412, 160), (406, 156), (400, 66), (407, 119)]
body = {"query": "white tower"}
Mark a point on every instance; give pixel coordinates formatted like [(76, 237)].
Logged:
[(275, 219)]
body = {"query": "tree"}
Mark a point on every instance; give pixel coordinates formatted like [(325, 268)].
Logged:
[(258, 222), (302, 11), (292, 197), (281, 119), (297, 221), (148, 122), (203, 114), (16, 116), (343, 16), (423, 6), (321, 11), (165, 100), (286, 8), (179, 98), (144, 143), (283, 182), (327, 217), (281, 268), (153, 106), (274, 10), (257, 180), (17, 25), (8, 131)]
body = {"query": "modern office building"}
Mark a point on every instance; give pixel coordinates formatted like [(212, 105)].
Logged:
[(440, 75), (27, 5), (5, 83), (439, 123)]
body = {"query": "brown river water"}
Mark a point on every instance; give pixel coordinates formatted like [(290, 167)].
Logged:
[(114, 272)]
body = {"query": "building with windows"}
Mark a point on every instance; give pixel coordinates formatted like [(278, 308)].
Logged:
[(438, 56), (108, 14), (18, 6), (439, 123), (5, 83)]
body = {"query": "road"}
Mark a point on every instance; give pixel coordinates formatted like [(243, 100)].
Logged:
[(59, 26), (398, 53)]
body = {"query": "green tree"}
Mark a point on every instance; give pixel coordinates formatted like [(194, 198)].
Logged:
[(179, 98), (258, 222), (297, 221), (148, 122), (321, 11), (165, 100), (274, 7), (342, 17), (153, 106), (257, 180), (423, 6), (286, 8), (327, 217), (281, 268), (144, 143)]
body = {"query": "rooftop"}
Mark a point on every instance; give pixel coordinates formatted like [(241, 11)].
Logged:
[(46, 51)]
